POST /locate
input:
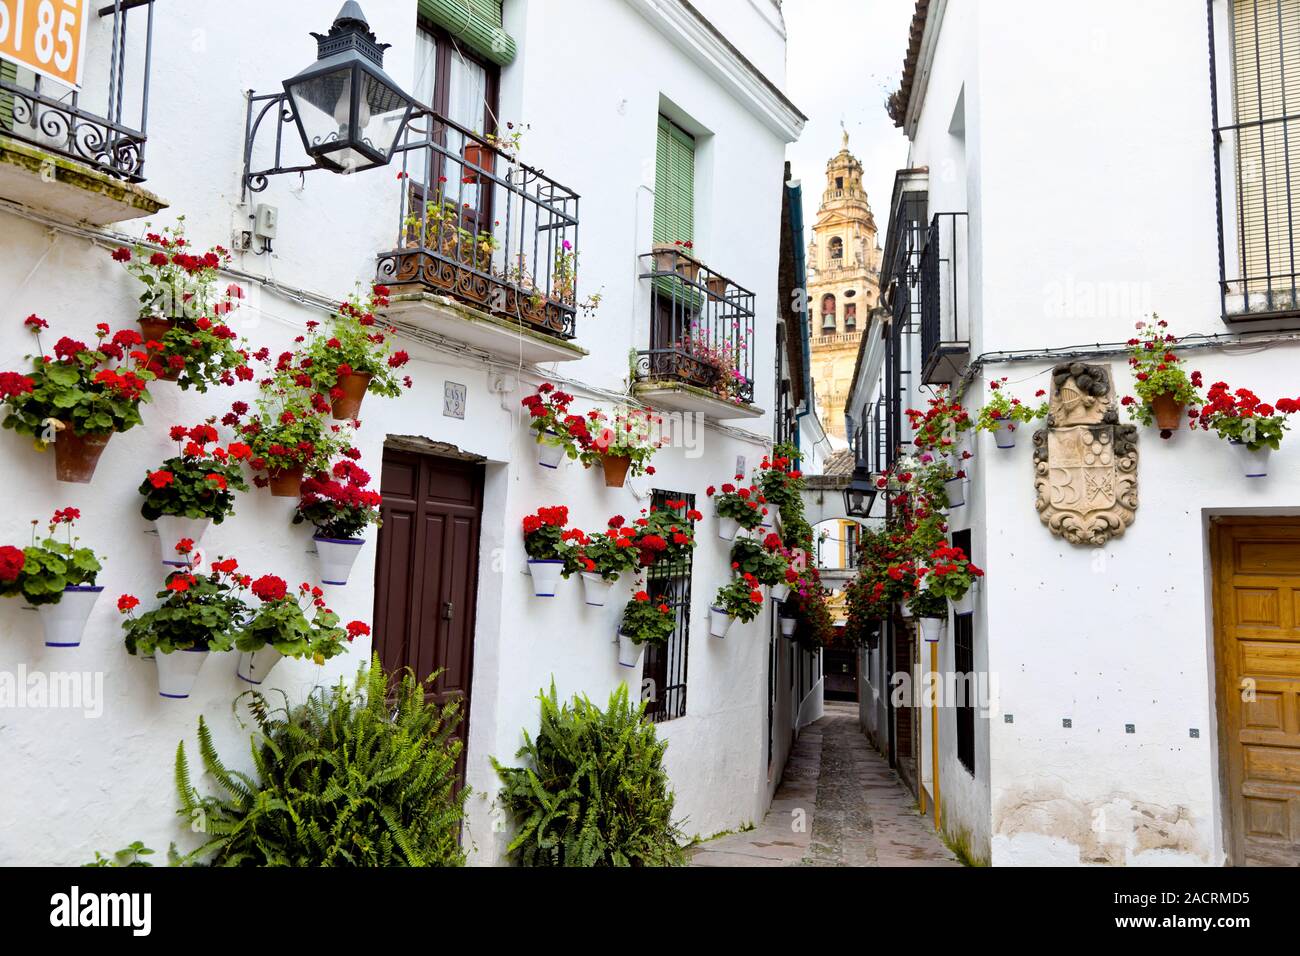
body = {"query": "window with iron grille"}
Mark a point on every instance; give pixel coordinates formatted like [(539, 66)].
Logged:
[(1256, 165), (964, 664), (669, 582)]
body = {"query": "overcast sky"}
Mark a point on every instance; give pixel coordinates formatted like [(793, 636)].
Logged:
[(844, 58)]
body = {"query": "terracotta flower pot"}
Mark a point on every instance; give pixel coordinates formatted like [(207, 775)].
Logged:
[(153, 328), (616, 467), (346, 407), (1168, 412), (476, 154), (717, 286), (286, 483), (75, 456)]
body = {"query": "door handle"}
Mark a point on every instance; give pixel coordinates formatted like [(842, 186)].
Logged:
[(448, 610)]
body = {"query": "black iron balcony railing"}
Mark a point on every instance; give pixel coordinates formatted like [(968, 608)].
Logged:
[(477, 225), (701, 327), (944, 335), (98, 125)]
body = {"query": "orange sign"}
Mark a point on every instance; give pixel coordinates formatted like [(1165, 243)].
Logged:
[(47, 36)]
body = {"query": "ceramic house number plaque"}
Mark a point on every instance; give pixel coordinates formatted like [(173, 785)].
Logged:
[(1085, 462)]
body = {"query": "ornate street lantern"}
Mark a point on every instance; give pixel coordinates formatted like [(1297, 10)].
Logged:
[(860, 495), (350, 113)]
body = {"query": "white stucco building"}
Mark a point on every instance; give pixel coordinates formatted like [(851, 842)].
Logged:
[(593, 84), (1073, 169)]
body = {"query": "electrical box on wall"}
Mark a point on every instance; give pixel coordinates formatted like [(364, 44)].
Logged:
[(265, 220)]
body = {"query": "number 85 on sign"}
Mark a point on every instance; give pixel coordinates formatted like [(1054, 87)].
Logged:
[(46, 36)]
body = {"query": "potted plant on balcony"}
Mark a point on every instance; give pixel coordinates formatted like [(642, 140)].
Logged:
[(623, 445), (950, 574), (199, 613), (677, 256), (1164, 389), (352, 354), (194, 488), (78, 398), (737, 508), (179, 282), (1002, 413), (560, 435), (547, 549), (602, 558), (340, 507), (289, 625), (643, 622), (55, 577), (1253, 428), (289, 438), (738, 600)]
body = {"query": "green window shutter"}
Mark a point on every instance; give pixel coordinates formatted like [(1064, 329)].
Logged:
[(8, 73), (475, 23), (674, 184)]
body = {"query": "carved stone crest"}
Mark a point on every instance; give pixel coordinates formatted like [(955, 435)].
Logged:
[(1085, 462)]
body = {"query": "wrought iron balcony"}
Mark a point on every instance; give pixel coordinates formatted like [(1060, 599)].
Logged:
[(102, 125), (701, 328), (945, 337), (478, 226)]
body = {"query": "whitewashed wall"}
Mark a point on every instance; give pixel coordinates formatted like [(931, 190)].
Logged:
[(590, 80)]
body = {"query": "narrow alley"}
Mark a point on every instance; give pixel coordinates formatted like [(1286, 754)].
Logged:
[(855, 811)]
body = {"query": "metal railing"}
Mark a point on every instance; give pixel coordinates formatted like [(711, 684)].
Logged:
[(701, 327), (943, 290), (477, 225), (93, 125)]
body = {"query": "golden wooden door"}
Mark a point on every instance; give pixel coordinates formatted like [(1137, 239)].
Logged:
[(1257, 650)]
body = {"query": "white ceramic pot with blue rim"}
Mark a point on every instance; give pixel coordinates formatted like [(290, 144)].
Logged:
[(629, 651), (966, 603), (1005, 434), (719, 622), (1254, 461), (253, 666), (955, 489), (546, 574), (932, 628), (172, 530), (336, 557), (549, 455), (595, 588), (65, 622), (728, 528), (178, 671)]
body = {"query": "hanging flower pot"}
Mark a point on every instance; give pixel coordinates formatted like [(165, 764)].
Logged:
[(629, 651), (665, 257), (480, 155), (716, 285), (549, 455), (595, 589), (906, 611), (955, 489), (178, 671), (719, 622), (932, 628), (788, 625), (336, 557), (154, 327), (65, 622), (1168, 412), (254, 666), (286, 482), (966, 603), (1254, 461), (75, 456), (172, 530), (616, 467), (728, 528), (546, 575), (348, 405), (1005, 435), (780, 592)]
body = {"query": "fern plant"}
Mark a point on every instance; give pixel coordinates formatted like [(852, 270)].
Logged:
[(594, 791), (356, 776)]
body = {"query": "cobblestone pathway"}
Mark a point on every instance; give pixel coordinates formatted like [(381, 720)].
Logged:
[(856, 812)]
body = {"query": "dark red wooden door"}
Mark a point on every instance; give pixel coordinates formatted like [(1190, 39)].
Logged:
[(426, 575)]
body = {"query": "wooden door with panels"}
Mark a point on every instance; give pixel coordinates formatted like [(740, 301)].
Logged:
[(426, 572), (1257, 652)]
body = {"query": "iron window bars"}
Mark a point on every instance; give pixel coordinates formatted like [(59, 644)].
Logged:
[(52, 117), (1259, 233), (943, 294), (701, 327), (669, 582)]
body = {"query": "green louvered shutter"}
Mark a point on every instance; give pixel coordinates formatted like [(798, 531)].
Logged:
[(8, 73), (674, 184), (475, 23)]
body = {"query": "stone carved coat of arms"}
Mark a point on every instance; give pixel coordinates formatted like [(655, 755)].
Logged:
[(1085, 462)]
